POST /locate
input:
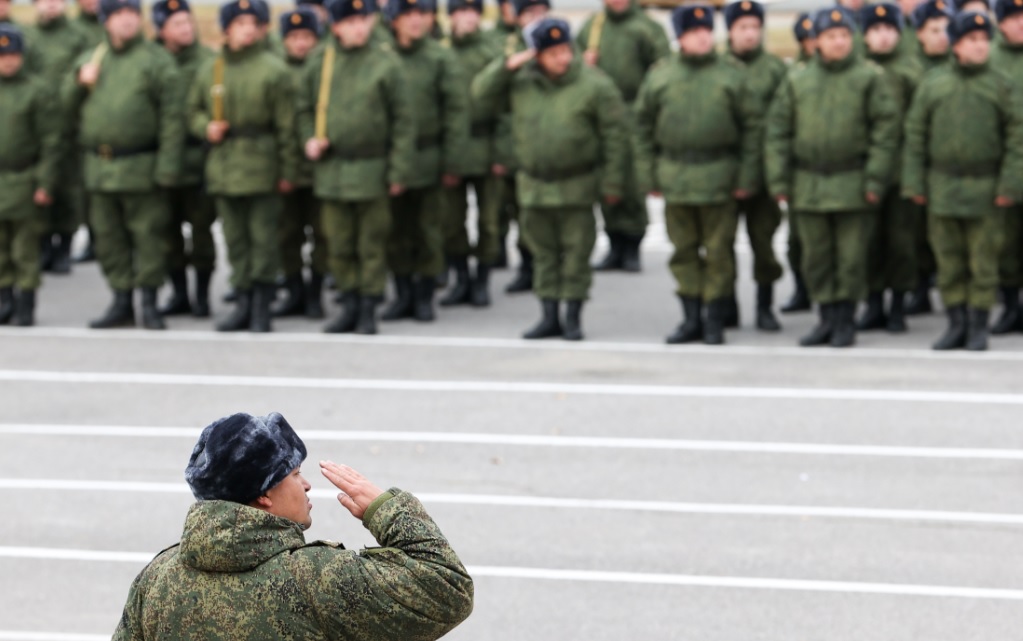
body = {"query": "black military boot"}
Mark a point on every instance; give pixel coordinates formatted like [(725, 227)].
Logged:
[(523, 281), (977, 331), (6, 305), (241, 317), (873, 316), (613, 259), (955, 336), (730, 308), (714, 325), (230, 296), (349, 316), (367, 324), (121, 312), (61, 254), (631, 260), (263, 295), (294, 298), (800, 300), (314, 297), (425, 287), (151, 318), (821, 333), (502, 255), (572, 329), (691, 328), (766, 320), (479, 294), (460, 293), (88, 254), (201, 309), (549, 325), (844, 332), (46, 252), (403, 305), (24, 308), (178, 303), (920, 298), (1010, 320), (897, 313)]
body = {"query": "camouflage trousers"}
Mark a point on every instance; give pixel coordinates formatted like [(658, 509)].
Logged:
[(131, 238), (357, 234), (763, 217), (19, 253), (489, 191), (68, 209), (251, 225), (703, 263), (1010, 261), (301, 222), (795, 250), (892, 245), (629, 216), (416, 244), (967, 251), (561, 239), (835, 254), (191, 205)]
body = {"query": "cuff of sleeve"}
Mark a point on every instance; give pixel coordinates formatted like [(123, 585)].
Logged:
[(371, 511)]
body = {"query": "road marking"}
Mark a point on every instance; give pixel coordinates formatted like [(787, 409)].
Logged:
[(497, 387), (922, 353), (522, 440), (549, 574), (494, 500)]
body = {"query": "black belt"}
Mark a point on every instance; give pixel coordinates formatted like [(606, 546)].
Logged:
[(361, 153), (17, 168), (976, 170), (563, 174), (193, 142), (830, 168), (427, 142), (483, 129), (700, 157), (248, 132), (109, 152)]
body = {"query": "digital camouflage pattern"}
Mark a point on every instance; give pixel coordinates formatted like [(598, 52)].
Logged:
[(242, 574)]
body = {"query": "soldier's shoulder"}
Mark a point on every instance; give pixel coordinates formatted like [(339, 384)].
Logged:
[(871, 67)]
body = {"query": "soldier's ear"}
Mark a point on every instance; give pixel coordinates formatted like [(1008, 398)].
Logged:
[(262, 503)]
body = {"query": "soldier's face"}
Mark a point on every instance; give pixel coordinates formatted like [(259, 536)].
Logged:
[(179, 30), (852, 5), (354, 31), (1012, 29), (555, 61), (507, 13), (933, 36), (242, 32), (123, 24), (979, 7), (809, 46), (907, 6), (49, 9), (89, 7), (881, 38), (973, 48), (531, 14), (10, 63), (299, 43), (835, 44), (617, 6), (5, 9), (745, 34), (464, 22), (288, 499), (412, 25), (696, 42)]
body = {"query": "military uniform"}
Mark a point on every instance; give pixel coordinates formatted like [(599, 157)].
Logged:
[(697, 141), (29, 152), (964, 148), (583, 111), (90, 24), (627, 45), (832, 133), (131, 132), (252, 91)]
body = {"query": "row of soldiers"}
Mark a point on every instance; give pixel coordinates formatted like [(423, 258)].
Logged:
[(368, 138)]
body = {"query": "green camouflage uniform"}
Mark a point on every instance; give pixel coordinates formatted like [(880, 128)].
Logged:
[(698, 132), (832, 133), (926, 266), (241, 574), (964, 147), (1009, 60), (582, 111), (90, 24), (131, 134)]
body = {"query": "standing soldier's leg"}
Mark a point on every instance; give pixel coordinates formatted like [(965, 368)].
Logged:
[(430, 254), (313, 215), (233, 214), (686, 265), (454, 212), (114, 252), (800, 299), (25, 254), (341, 224), (718, 224), (948, 238), (851, 228), (919, 301), (64, 217), (374, 226), (625, 224), (8, 270), (877, 244), (816, 234), (523, 281), (489, 194), (900, 262), (1010, 275), (178, 203), (203, 258), (291, 240), (264, 224), (148, 219), (984, 239), (578, 235), (400, 250), (541, 230), (763, 217)]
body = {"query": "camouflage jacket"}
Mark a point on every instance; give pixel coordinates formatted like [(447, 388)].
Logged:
[(29, 143), (473, 53), (242, 574)]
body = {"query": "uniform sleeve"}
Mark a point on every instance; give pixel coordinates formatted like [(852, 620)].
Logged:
[(72, 94), (1012, 163), (455, 114), (582, 39), (306, 94), (655, 45), (883, 116), (129, 628), (198, 115), (914, 146), (170, 156), (284, 126), (490, 87), (403, 126), (46, 123), (780, 130), (644, 142), (614, 136), (749, 107)]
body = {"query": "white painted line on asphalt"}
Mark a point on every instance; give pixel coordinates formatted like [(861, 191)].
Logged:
[(549, 574), (923, 353), (497, 387), (522, 440), (13, 635), (493, 500)]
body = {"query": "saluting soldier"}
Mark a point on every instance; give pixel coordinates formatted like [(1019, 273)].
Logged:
[(764, 71), (300, 33), (891, 258), (241, 103), (355, 113), (832, 133), (29, 153), (440, 104), (1007, 57), (125, 97), (558, 103), (473, 50), (698, 141), (624, 43), (964, 157)]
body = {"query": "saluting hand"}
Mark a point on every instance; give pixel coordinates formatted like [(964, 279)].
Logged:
[(356, 490), (88, 74), (516, 60)]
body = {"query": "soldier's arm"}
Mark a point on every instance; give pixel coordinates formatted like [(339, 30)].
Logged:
[(883, 115), (72, 94), (614, 137), (456, 116), (644, 143), (129, 627), (46, 119), (656, 45), (403, 126), (170, 156), (749, 108), (914, 146), (197, 111), (284, 126), (780, 129), (490, 86), (1012, 162)]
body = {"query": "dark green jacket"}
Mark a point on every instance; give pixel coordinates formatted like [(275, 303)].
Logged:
[(764, 72), (697, 130), (53, 47), (134, 110), (570, 134), (964, 141), (1009, 60), (189, 60), (630, 43), (473, 53), (30, 143), (931, 62), (510, 41), (90, 24), (241, 574), (370, 124), (297, 68), (261, 147), (903, 72), (440, 105), (832, 135)]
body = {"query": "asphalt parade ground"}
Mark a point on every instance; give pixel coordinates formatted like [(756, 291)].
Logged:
[(613, 489)]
